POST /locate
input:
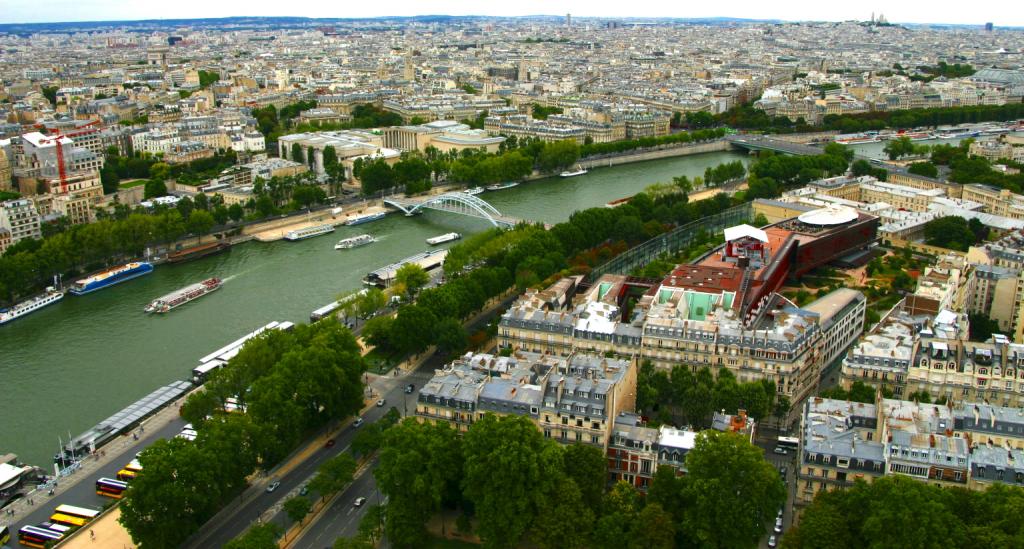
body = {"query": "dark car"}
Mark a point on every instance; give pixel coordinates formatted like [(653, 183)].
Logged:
[(329, 443), (409, 389)]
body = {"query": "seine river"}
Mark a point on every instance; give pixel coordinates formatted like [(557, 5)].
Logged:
[(69, 366)]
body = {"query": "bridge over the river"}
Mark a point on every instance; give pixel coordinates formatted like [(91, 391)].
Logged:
[(453, 202), (765, 143)]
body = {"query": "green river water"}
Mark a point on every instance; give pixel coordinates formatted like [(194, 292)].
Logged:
[(69, 366)]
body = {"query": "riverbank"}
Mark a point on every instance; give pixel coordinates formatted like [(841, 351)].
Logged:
[(111, 353), (312, 219)]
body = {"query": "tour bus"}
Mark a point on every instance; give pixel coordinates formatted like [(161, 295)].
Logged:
[(71, 515), (789, 443), (36, 536), (111, 488), (130, 471)]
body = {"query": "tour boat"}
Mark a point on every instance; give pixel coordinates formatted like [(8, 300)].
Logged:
[(500, 186), (475, 190), (448, 237), (354, 242), (184, 295), (51, 296), (309, 232), (110, 277), (580, 170), (365, 218)]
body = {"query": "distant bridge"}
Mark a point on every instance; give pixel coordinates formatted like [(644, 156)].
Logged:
[(454, 202), (764, 143)]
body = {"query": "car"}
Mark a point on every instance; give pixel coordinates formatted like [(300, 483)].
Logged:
[(780, 450), (304, 490), (783, 471), (273, 486), (380, 403), (778, 525), (779, 515), (330, 443), (409, 389), (358, 422), (772, 542), (359, 502)]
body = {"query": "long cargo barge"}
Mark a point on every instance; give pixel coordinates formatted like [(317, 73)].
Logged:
[(196, 252)]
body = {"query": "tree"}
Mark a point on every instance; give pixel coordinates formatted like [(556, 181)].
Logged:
[(175, 496), (982, 327), (154, 188), (588, 470), (297, 154), (261, 536), (725, 473), (506, 504), (412, 330), (236, 212), (372, 523), (949, 232), (899, 147), (926, 169), (378, 330), (558, 155), (200, 222), (653, 529), (334, 474), (562, 520), (450, 336), (297, 508), (412, 277), (420, 467)]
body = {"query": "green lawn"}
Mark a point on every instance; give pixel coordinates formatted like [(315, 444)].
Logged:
[(130, 184), (379, 363)]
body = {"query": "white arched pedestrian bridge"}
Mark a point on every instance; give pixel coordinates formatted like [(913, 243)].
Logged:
[(453, 202)]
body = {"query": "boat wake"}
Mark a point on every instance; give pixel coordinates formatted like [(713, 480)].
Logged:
[(227, 279)]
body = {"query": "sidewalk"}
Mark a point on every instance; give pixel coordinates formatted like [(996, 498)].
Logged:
[(122, 449)]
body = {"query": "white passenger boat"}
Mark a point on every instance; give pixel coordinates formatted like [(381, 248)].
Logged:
[(448, 237), (354, 242)]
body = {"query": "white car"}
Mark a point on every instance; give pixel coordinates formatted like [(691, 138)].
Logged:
[(778, 525), (359, 502), (772, 542)]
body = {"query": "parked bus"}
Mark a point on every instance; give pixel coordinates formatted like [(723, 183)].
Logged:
[(789, 443), (5, 534), (130, 471), (38, 537), (72, 515), (111, 488)]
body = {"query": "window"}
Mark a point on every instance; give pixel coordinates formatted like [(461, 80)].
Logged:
[(565, 421), (547, 433)]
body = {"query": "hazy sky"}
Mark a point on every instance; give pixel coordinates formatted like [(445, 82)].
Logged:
[(1000, 12)]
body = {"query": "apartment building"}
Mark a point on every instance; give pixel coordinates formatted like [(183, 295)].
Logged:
[(20, 219), (572, 399), (971, 444)]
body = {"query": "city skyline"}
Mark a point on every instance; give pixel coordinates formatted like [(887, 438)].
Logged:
[(914, 12)]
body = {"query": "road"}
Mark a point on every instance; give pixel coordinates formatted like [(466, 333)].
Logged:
[(256, 503), (342, 518), (83, 492), (766, 440)]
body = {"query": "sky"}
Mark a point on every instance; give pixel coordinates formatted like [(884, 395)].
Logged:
[(1000, 12)]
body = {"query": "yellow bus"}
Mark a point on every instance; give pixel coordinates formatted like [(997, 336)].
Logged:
[(130, 471), (72, 515)]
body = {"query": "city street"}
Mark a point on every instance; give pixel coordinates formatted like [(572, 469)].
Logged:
[(257, 504), (83, 491)]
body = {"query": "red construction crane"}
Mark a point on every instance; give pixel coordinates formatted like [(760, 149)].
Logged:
[(55, 138)]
